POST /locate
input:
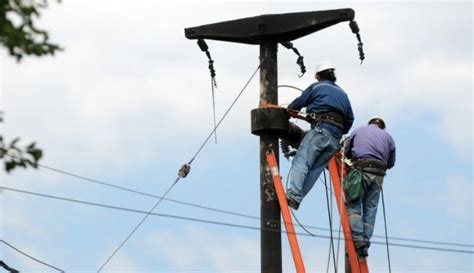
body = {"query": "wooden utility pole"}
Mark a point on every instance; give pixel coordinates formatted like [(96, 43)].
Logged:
[(270, 234), (267, 122)]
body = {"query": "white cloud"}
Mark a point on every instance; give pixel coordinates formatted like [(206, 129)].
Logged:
[(457, 199), (195, 247)]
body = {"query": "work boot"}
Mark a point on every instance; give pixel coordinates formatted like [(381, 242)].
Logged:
[(363, 252), (292, 203)]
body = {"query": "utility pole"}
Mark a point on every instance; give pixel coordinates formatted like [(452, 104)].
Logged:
[(269, 122), (270, 234)]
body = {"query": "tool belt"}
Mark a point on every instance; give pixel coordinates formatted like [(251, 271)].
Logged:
[(370, 165), (330, 117)]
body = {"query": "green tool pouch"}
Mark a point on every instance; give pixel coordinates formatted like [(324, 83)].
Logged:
[(353, 185)]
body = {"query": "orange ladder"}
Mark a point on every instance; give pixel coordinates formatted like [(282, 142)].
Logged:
[(285, 212), (357, 264)]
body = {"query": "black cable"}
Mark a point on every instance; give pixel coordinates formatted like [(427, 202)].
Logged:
[(138, 225), (31, 257), (331, 244), (292, 212), (235, 213), (300, 60), (217, 222), (6, 267), (186, 167), (386, 233)]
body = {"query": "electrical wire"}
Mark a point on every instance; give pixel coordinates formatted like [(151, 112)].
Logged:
[(29, 256), (226, 112), (290, 86), (217, 222), (188, 165), (138, 225), (292, 212), (386, 233), (236, 213), (331, 243)]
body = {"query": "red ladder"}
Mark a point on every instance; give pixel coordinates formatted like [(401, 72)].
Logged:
[(357, 264), (285, 212)]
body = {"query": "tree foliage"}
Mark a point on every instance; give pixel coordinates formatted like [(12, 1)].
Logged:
[(20, 35), (18, 31), (15, 156)]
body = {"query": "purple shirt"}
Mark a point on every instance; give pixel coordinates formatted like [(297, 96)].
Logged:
[(371, 142)]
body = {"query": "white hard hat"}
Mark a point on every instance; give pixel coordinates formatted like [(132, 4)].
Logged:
[(324, 65), (378, 118)]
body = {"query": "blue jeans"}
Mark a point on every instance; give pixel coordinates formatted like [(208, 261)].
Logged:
[(362, 212), (313, 155)]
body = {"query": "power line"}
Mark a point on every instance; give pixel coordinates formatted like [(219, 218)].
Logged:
[(31, 257), (217, 222), (232, 212), (138, 225), (183, 172)]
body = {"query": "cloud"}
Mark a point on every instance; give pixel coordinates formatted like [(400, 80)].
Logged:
[(196, 247), (457, 199)]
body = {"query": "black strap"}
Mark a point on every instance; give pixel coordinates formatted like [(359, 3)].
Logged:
[(371, 165), (331, 117)]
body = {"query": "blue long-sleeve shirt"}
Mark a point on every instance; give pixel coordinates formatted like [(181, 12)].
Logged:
[(371, 142), (324, 96)]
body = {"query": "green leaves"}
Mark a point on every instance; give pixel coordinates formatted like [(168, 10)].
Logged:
[(15, 156), (24, 38)]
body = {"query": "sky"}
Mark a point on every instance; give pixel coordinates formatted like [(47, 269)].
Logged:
[(128, 102)]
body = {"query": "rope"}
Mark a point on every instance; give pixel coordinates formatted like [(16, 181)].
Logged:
[(31, 257), (386, 233)]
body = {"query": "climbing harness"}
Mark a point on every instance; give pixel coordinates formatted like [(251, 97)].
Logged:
[(205, 48), (331, 117), (299, 61), (355, 29)]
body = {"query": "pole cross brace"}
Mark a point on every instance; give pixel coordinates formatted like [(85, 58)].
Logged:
[(271, 27)]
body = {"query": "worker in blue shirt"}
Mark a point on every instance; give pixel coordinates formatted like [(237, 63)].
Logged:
[(372, 151), (331, 116)]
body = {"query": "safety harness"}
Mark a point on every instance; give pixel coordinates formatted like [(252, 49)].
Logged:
[(331, 117), (370, 165)]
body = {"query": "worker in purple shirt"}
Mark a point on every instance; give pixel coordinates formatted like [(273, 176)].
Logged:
[(371, 150)]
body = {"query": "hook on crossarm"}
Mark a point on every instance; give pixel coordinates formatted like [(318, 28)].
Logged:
[(299, 61), (355, 29)]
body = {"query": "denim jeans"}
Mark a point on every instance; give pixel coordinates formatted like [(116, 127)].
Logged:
[(313, 155), (362, 212)]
